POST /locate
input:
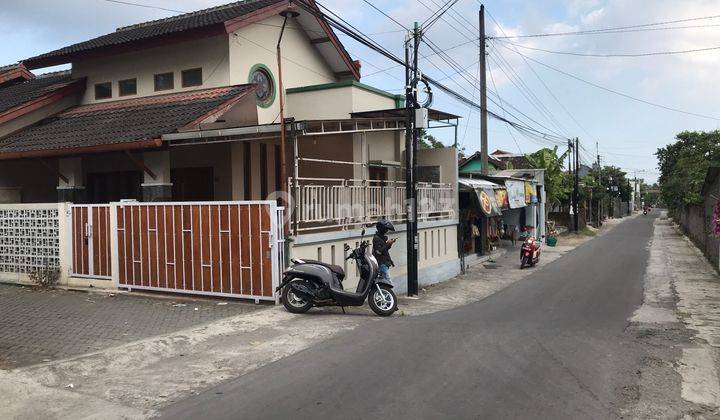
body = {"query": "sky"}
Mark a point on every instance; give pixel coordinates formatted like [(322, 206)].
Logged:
[(627, 132)]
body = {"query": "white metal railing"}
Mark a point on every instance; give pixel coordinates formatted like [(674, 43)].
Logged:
[(322, 203)]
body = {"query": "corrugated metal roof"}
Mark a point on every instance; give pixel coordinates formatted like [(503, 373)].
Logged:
[(478, 183)]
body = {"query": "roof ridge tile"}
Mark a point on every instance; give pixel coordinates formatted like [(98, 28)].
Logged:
[(181, 16)]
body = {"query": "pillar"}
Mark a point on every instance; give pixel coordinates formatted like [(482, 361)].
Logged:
[(159, 187), (72, 188)]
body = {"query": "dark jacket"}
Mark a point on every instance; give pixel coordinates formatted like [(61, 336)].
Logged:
[(381, 250)]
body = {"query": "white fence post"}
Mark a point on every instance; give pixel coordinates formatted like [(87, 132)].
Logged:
[(65, 231), (114, 255)]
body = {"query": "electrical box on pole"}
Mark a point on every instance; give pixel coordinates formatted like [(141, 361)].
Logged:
[(421, 118)]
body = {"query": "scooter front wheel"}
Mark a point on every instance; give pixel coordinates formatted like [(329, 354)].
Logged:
[(382, 300), (294, 303)]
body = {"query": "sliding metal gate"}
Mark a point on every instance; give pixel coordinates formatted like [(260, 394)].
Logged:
[(210, 248), (91, 239)]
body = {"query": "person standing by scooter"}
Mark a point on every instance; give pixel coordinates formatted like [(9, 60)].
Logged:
[(381, 248)]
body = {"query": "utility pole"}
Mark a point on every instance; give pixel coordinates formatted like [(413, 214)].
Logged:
[(599, 169), (411, 73), (571, 159), (576, 186), (483, 95)]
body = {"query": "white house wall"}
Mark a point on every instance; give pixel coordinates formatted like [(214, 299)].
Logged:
[(329, 104), (335, 103), (438, 255), (255, 44), (446, 158), (211, 54), (364, 100)]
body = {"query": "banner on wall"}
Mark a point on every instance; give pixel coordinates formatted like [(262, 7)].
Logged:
[(501, 197), (516, 193), (530, 193)]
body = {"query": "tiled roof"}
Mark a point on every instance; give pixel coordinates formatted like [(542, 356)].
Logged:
[(188, 21), (124, 121), (18, 94)]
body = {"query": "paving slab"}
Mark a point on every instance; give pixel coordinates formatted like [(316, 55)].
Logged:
[(44, 325)]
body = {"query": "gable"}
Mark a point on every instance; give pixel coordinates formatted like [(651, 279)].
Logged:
[(224, 19)]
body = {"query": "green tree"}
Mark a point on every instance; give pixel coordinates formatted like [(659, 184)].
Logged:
[(683, 166), (557, 182), (615, 182), (428, 141)]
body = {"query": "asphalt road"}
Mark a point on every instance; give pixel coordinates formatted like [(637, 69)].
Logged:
[(550, 346)]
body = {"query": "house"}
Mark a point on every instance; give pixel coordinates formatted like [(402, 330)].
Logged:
[(473, 163), (511, 160), (189, 110)]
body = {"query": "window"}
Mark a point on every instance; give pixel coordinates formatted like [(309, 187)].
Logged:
[(265, 92), (192, 77), (103, 90), (164, 81), (127, 87)]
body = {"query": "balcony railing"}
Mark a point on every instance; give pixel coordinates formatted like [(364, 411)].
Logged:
[(333, 203)]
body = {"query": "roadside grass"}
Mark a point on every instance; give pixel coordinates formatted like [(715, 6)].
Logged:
[(588, 232)]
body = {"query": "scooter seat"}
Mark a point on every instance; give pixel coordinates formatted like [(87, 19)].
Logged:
[(339, 272)]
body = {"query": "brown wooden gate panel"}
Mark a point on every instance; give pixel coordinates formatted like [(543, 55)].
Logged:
[(91, 239), (215, 248)]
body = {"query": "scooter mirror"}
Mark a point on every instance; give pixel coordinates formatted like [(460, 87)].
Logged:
[(347, 247)]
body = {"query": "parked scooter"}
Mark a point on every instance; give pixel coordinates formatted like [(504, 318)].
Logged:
[(529, 252), (311, 283)]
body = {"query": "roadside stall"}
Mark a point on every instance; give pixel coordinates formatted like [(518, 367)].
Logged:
[(481, 225)]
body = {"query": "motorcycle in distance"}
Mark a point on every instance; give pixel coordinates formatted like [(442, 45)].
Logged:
[(529, 252), (309, 283)]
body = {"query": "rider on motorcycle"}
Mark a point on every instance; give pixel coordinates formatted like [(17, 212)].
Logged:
[(381, 248)]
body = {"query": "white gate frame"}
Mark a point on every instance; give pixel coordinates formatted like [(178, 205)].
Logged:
[(88, 235)]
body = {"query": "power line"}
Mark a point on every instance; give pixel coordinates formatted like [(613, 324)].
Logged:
[(608, 30), (668, 108), (430, 21), (146, 6), (386, 15), (647, 54), (365, 40)]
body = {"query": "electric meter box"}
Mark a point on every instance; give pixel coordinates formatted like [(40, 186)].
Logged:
[(421, 118)]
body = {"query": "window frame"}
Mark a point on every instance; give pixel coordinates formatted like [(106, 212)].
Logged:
[(155, 81), (97, 98), (186, 71), (120, 84)]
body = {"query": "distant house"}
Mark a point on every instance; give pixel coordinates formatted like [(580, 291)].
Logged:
[(584, 170), (511, 160), (473, 164)]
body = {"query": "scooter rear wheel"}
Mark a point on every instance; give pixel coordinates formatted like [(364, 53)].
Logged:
[(294, 303), (383, 302)]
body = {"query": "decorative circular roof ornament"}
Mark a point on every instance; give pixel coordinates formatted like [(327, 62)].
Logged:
[(261, 76)]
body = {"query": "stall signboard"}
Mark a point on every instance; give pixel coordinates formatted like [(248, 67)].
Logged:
[(501, 197), (488, 204), (516, 193), (530, 193)]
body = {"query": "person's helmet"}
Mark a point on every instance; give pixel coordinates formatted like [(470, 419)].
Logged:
[(383, 226)]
